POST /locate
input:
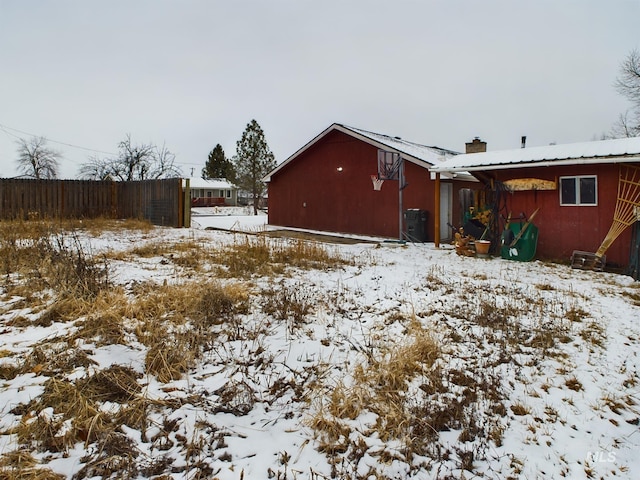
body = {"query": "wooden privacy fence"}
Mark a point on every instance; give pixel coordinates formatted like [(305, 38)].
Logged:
[(162, 202)]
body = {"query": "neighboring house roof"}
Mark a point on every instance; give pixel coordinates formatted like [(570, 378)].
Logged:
[(603, 151), (219, 183), (422, 155)]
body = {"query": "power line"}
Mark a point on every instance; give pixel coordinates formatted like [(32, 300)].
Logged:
[(4, 128)]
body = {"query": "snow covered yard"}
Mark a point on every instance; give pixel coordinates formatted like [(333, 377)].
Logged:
[(193, 353), (229, 218)]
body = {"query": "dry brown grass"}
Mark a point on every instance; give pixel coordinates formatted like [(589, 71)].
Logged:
[(261, 255), (290, 303), (176, 251), (44, 254), (97, 226), (573, 384), (410, 394), (21, 465), (68, 413), (201, 303), (8, 371), (470, 399), (379, 386), (246, 257), (54, 260), (61, 281), (405, 391), (520, 409), (117, 383), (55, 357), (115, 455), (62, 401), (169, 357), (178, 322), (594, 334)]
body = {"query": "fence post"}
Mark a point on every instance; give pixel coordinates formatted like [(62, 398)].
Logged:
[(61, 196), (186, 200)]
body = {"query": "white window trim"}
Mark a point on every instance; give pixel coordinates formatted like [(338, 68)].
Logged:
[(577, 178)]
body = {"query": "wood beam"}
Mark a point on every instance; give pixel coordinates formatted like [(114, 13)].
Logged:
[(436, 215)]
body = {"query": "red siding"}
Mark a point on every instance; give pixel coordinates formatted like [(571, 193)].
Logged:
[(563, 229), (312, 193)]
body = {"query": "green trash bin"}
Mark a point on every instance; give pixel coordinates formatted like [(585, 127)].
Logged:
[(524, 249)]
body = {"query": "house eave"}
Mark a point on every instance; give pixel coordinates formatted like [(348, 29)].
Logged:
[(539, 163), (355, 134), (382, 146)]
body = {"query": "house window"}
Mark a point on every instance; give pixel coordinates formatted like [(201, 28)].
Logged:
[(209, 194), (228, 193), (579, 190)]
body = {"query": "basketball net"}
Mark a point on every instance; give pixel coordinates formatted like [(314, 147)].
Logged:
[(377, 182)]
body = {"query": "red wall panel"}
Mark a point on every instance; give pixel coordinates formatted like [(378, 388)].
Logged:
[(563, 229), (328, 188)]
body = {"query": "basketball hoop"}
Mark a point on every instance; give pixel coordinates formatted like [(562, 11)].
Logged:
[(377, 182), (389, 164)]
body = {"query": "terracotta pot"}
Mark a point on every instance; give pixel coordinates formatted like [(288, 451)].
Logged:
[(482, 247)]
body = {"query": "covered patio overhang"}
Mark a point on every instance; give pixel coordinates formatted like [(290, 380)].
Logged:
[(484, 166)]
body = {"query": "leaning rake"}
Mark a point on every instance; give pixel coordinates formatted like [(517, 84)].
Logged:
[(626, 213)]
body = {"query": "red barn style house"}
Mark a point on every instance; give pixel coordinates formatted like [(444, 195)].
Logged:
[(327, 185), (587, 193)]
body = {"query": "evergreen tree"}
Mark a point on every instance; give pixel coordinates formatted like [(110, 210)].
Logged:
[(253, 161), (218, 166)]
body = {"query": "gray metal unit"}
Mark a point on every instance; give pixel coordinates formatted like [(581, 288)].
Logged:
[(416, 225)]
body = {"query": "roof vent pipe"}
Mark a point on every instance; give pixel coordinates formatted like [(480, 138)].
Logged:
[(524, 140)]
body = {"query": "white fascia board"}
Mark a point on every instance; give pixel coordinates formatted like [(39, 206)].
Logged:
[(538, 163), (382, 146)]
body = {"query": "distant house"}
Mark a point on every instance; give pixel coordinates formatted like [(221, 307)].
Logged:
[(245, 198), (575, 187), (327, 186), (212, 192)]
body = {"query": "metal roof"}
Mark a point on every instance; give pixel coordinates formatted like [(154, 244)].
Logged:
[(422, 155), (220, 183), (603, 151)]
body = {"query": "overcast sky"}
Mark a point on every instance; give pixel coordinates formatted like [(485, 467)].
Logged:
[(192, 74)]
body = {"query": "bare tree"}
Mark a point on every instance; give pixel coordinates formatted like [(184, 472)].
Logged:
[(628, 85), (628, 82), (625, 126), (134, 162), (36, 160), (165, 164), (96, 169)]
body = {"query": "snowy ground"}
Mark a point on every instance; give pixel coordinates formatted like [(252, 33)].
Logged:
[(229, 218), (260, 404)]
